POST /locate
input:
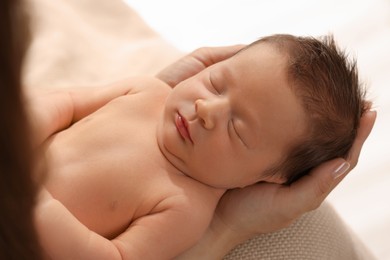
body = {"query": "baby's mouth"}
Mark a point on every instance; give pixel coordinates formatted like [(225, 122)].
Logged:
[(182, 127)]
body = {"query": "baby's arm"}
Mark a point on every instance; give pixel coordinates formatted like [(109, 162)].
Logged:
[(62, 236), (52, 110), (172, 227), (175, 225)]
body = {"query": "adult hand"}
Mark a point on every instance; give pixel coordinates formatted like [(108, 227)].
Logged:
[(266, 207), (195, 62)]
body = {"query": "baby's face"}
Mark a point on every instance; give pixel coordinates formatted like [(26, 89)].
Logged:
[(226, 125)]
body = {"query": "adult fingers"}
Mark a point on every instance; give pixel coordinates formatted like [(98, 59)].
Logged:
[(195, 62), (310, 191), (366, 124), (211, 55)]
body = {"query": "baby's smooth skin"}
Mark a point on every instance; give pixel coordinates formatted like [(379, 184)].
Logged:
[(142, 166)]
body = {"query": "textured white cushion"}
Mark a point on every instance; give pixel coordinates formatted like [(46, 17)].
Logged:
[(320, 234)]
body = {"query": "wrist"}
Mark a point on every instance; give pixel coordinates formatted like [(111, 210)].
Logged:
[(225, 237)]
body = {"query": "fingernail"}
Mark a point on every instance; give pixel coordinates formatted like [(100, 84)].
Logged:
[(343, 168)]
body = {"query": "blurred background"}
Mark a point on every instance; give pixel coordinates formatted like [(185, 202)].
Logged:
[(361, 27)]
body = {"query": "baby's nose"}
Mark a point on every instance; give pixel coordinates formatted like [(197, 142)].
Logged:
[(212, 112)]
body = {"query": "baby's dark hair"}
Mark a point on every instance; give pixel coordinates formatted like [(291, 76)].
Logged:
[(328, 87)]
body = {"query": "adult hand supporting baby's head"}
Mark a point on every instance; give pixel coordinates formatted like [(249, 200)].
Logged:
[(195, 62), (266, 207)]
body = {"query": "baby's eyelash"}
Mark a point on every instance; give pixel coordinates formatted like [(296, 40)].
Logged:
[(212, 84), (235, 132)]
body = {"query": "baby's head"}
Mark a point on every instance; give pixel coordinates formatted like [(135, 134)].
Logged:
[(327, 86), (270, 113)]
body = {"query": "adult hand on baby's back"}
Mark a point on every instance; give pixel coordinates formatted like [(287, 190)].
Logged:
[(267, 207), (195, 62)]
